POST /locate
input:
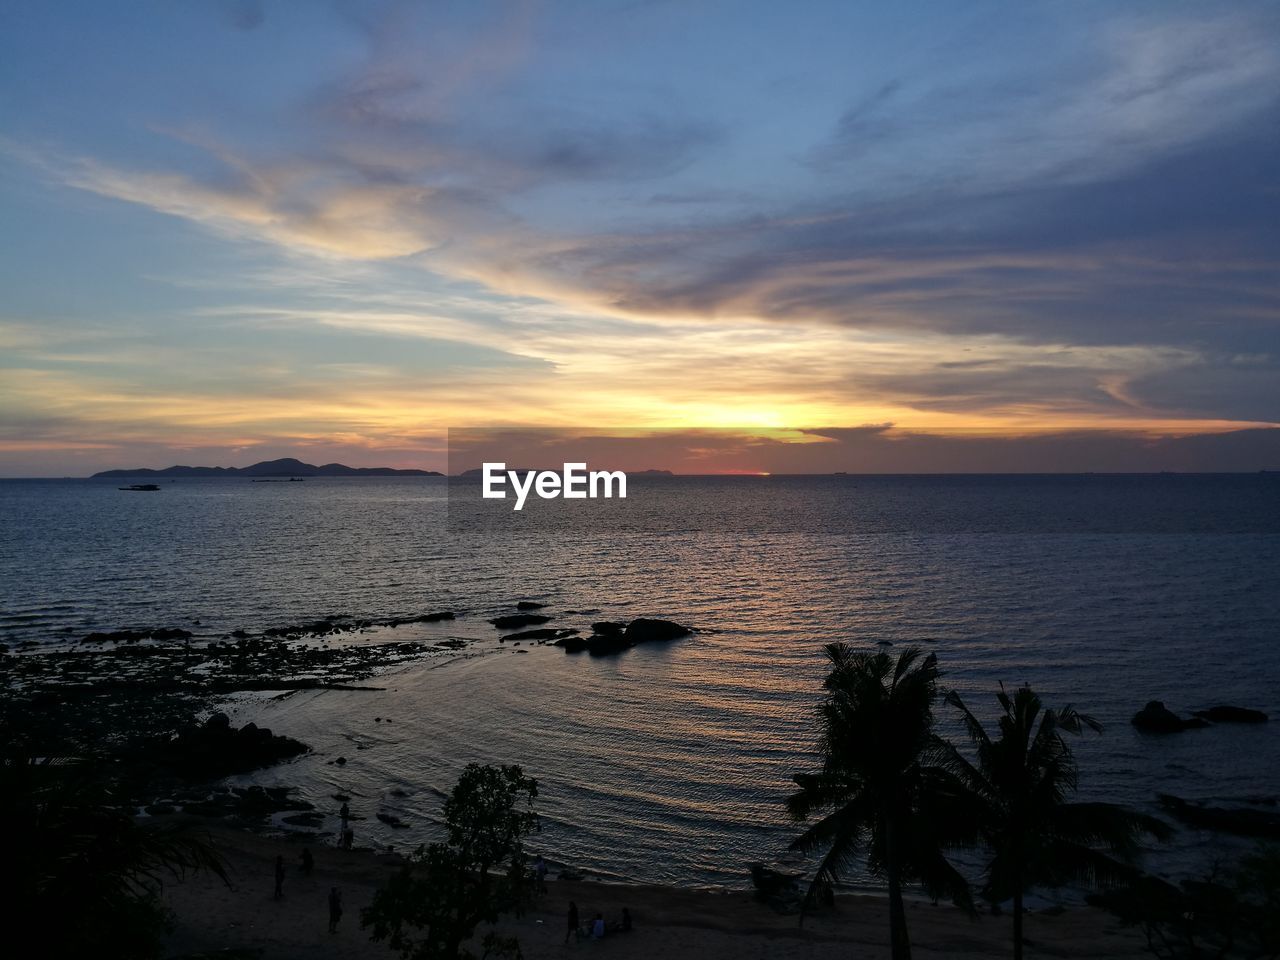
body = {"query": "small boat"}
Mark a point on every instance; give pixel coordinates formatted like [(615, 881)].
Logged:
[(141, 487)]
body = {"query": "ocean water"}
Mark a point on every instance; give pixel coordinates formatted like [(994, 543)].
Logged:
[(669, 763)]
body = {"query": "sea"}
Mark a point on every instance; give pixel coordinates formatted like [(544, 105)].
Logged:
[(670, 763)]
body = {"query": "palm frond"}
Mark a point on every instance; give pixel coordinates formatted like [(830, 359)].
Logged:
[(1107, 825)]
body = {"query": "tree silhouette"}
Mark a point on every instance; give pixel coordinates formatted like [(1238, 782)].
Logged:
[(885, 792), (432, 907), (1035, 836), (79, 872)]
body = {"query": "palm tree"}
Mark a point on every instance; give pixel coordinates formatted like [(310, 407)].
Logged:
[(79, 868), (884, 791), (1035, 836)]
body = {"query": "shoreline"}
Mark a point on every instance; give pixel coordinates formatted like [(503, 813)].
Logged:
[(671, 921)]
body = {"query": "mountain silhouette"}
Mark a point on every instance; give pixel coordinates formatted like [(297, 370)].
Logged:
[(284, 467)]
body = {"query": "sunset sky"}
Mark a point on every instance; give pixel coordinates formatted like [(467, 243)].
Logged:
[(237, 230)]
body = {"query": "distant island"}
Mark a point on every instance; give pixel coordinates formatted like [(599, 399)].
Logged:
[(285, 467)]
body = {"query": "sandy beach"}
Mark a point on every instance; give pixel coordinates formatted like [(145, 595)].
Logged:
[(669, 922)]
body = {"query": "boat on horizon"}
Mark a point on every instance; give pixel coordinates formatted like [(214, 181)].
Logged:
[(141, 487)]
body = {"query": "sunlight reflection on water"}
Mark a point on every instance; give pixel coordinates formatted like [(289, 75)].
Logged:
[(670, 762)]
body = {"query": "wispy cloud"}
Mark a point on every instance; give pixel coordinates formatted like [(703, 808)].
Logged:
[(456, 223)]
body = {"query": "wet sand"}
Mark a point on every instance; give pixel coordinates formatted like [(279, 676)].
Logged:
[(669, 922)]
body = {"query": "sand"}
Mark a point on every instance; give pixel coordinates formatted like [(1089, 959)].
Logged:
[(670, 923)]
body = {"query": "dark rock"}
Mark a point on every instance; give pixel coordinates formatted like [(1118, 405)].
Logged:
[(515, 621), (116, 636), (215, 749), (529, 605), (341, 797), (401, 621), (437, 616), (1155, 717), (341, 761), (644, 630), (171, 633), (391, 820), (1224, 713), (1242, 821), (611, 637), (770, 882), (600, 645)]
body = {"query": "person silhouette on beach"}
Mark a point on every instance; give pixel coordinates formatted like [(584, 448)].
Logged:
[(308, 862), (345, 813), (335, 909), (572, 930), (540, 873), (279, 877)]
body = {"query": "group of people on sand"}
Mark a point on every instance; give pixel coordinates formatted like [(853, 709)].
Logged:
[(308, 865), (596, 928)]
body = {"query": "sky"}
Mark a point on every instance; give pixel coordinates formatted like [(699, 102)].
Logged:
[(935, 236)]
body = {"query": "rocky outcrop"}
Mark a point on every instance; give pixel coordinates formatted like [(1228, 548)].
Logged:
[(515, 621), (782, 891), (1242, 821), (1155, 717), (610, 637), (342, 624), (433, 617), (171, 633), (1225, 713), (600, 644), (529, 605), (133, 636), (216, 749), (645, 630)]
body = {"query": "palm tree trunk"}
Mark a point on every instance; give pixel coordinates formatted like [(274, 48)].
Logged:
[(1017, 923), (899, 942)]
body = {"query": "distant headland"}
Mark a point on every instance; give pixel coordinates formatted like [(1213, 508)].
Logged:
[(285, 467)]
